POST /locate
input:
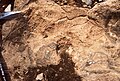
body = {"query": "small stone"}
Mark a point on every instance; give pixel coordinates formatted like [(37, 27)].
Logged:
[(60, 69), (88, 2), (39, 76), (56, 75), (100, 0)]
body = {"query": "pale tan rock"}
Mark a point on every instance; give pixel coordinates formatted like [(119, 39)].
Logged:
[(39, 76)]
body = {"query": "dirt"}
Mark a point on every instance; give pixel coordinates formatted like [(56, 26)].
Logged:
[(63, 40)]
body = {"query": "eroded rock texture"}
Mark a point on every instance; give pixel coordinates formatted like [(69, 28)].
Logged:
[(64, 42)]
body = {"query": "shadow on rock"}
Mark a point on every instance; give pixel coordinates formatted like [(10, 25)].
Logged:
[(64, 71)]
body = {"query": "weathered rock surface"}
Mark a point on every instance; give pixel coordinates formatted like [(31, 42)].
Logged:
[(65, 43)]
